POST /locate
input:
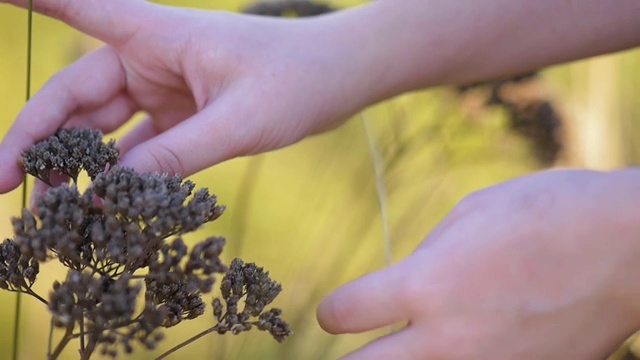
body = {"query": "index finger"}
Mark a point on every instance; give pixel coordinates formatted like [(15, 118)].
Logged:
[(89, 83), (112, 21)]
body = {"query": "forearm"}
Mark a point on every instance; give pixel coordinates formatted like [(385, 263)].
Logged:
[(404, 45)]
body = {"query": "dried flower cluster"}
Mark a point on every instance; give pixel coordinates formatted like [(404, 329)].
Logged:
[(288, 8), (532, 116), (130, 273), (68, 152), (252, 283)]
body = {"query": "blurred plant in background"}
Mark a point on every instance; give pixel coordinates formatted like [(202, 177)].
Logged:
[(309, 212)]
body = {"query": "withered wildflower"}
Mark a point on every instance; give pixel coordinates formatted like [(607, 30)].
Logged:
[(55, 225), (288, 8), (17, 270), (130, 273), (175, 285), (252, 283), (68, 152)]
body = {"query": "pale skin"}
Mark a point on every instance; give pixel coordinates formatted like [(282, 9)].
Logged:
[(535, 268)]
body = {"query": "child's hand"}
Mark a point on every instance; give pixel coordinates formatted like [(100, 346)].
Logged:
[(214, 85), (543, 267), (217, 85)]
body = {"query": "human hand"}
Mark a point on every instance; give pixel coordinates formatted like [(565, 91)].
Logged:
[(535, 268), (214, 85)]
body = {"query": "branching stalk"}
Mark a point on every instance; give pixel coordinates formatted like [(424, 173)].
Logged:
[(187, 342)]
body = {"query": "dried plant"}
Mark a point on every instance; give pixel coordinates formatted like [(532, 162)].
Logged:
[(129, 273), (68, 152), (288, 8)]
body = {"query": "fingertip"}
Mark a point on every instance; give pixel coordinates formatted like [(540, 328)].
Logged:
[(348, 309), (373, 301), (10, 182), (12, 174), (325, 315)]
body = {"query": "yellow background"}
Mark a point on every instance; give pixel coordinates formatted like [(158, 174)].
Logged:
[(309, 213)]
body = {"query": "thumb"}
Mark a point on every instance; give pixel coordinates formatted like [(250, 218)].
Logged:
[(373, 301), (112, 21)]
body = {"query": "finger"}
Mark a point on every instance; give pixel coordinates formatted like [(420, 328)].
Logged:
[(373, 301), (113, 21), (142, 132), (108, 117), (89, 83), (401, 345), (208, 137)]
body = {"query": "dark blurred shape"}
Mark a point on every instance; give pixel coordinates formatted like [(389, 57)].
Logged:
[(532, 116), (288, 8)]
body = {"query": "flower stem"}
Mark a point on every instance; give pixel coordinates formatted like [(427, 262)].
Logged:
[(187, 342), (16, 323), (68, 335), (50, 343), (35, 295)]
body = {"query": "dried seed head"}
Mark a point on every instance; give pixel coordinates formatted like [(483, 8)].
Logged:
[(248, 281), (68, 152), (288, 8), (17, 271), (137, 227)]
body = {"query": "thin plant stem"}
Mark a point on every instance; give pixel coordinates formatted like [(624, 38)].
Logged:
[(381, 188), (68, 335), (30, 292), (35, 295), (88, 351), (50, 343), (82, 346), (187, 342), (16, 322), (381, 191)]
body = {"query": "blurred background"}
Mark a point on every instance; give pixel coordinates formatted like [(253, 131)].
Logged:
[(342, 204)]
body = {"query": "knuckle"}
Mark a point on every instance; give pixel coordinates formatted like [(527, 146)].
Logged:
[(166, 160), (261, 141), (472, 202), (61, 9), (412, 295)]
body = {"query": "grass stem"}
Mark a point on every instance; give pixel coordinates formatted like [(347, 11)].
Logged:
[(16, 323)]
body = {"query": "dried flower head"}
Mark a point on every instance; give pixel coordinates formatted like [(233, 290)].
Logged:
[(17, 270), (121, 242), (248, 281), (68, 152), (288, 8)]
